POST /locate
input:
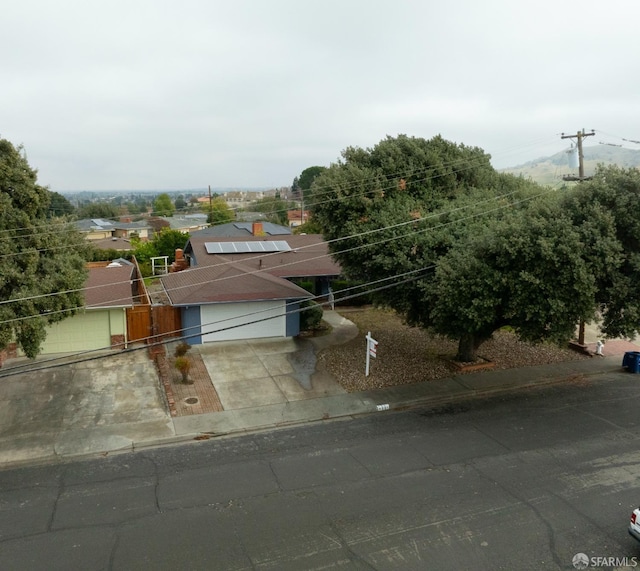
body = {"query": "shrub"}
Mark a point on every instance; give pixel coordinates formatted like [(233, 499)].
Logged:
[(184, 366), (310, 316), (181, 349)]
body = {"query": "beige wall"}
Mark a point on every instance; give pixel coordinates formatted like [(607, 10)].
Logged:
[(85, 331)]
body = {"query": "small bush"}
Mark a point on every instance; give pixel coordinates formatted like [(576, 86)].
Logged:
[(184, 366), (181, 349), (310, 316)]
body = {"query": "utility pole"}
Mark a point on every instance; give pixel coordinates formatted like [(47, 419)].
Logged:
[(579, 136), (579, 344)]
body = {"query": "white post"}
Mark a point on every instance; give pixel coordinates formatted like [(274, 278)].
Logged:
[(371, 351), (366, 369)]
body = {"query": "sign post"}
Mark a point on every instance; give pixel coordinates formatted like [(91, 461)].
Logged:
[(372, 348)]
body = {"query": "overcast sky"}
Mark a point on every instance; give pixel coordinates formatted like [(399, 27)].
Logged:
[(154, 94)]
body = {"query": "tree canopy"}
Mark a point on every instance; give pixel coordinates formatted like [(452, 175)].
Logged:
[(469, 250), (275, 209), (42, 261), (163, 206), (164, 243), (59, 205), (98, 210), (218, 211)]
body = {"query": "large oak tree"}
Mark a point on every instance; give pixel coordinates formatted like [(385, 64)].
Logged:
[(42, 260), (468, 250)]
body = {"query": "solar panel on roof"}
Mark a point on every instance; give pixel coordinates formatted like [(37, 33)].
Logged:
[(262, 246)]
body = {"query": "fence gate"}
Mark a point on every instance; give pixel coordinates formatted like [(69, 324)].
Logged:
[(166, 322), (139, 323)]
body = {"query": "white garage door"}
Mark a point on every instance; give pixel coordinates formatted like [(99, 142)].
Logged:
[(81, 332), (229, 321)]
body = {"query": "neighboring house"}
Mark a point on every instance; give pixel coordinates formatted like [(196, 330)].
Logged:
[(95, 228), (242, 288), (101, 229), (126, 229), (108, 292), (187, 223), (297, 217)]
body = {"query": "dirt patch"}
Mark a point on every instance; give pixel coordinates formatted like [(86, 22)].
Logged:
[(410, 355)]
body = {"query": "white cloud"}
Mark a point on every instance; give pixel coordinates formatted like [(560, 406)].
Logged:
[(159, 94)]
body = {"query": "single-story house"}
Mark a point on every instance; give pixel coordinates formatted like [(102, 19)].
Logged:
[(244, 289), (229, 302), (101, 229), (184, 222), (109, 290), (297, 217)]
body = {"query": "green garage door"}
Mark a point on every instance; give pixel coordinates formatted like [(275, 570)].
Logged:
[(82, 332)]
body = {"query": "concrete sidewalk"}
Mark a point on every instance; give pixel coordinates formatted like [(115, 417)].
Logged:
[(432, 393)]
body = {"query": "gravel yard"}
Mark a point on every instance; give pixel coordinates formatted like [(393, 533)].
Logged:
[(409, 355)]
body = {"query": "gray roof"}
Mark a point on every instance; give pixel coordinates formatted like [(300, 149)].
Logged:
[(92, 224), (226, 283), (131, 225), (307, 255), (241, 229), (186, 221)]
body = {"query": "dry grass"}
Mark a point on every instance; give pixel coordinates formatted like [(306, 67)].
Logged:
[(409, 355)]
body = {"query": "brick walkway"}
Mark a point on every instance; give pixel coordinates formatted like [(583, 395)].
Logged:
[(184, 400), (615, 347)]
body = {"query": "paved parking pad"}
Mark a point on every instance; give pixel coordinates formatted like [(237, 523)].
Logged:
[(81, 408)]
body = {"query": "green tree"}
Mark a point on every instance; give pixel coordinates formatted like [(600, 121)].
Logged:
[(167, 241), (180, 203), (42, 261), (305, 184), (59, 205), (218, 212), (525, 271), (143, 252), (475, 248), (97, 210), (603, 210), (274, 209), (295, 187), (162, 205)]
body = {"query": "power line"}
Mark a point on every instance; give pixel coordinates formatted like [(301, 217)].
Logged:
[(20, 369), (335, 240)]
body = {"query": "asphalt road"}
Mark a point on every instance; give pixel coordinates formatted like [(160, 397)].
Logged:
[(524, 482)]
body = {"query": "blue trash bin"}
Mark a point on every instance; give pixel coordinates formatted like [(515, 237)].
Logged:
[(631, 361)]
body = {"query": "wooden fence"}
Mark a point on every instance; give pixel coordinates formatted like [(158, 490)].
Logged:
[(152, 323)]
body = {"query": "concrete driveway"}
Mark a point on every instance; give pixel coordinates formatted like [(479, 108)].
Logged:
[(81, 408), (263, 372)]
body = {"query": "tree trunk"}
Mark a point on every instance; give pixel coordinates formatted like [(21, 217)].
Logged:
[(467, 347)]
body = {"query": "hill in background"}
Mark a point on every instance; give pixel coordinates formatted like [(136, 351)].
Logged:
[(550, 170)]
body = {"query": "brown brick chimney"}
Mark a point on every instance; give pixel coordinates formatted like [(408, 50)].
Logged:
[(257, 229), (181, 263)]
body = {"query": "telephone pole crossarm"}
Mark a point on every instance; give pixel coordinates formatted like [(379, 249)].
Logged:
[(579, 136)]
